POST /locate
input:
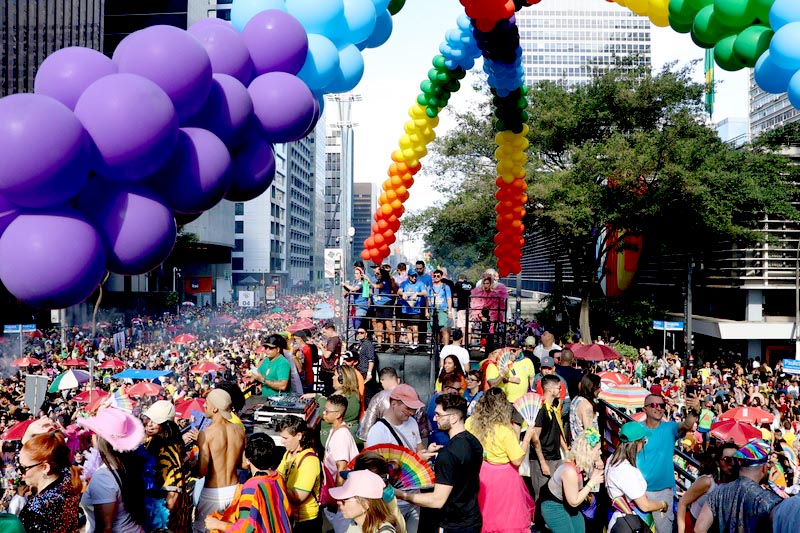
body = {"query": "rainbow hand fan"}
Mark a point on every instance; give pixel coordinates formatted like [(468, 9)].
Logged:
[(528, 406), (410, 470), (507, 357)]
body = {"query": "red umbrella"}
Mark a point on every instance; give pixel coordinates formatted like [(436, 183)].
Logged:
[(74, 362), (112, 364), (206, 367), (25, 362), (275, 316), (593, 352), (739, 432), (184, 338), (612, 379), (184, 409), (305, 313), (17, 431), (144, 388), (303, 323), (751, 415), (84, 397), (253, 324)]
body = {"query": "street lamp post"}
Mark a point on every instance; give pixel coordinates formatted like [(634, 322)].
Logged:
[(797, 301), (176, 272)]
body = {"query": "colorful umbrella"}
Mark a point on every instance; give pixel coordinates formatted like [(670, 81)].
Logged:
[(184, 409), (628, 396), (205, 367), (790, 454), (305, 313), (612, 379), (144, 388), (71, 379), (253, 324), (184, 338), (25, 362), (89, 395), (752, 415), (112, 364), (275, 316), (17, 431), (303, 323), (593, 352), (75, 362), (739, 432)]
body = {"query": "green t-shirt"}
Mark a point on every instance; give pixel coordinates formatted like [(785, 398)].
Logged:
[(278, 369), (9, 523), (706, 418)]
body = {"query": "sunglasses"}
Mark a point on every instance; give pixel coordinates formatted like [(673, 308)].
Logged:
[(655, 405), (24, 469), (727, 459), (362, 332), (270, 346)]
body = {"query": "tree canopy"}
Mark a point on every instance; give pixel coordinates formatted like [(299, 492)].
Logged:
[(629, 150)]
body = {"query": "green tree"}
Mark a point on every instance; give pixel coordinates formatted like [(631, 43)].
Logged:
[(629, 151)]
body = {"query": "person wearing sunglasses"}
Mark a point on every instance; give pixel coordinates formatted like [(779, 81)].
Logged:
[(274, 371), (721, 468), (655, 460)]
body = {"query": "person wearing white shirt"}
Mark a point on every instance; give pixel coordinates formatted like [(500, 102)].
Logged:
[(547, 345), (457, 350)]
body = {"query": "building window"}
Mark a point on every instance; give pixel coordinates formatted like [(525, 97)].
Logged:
[(238, 245), (238, 226), (238, 208), (237, 263)]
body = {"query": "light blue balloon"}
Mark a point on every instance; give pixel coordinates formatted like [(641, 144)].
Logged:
[(794, 90), (322, 63), (323, 17), (785, 47), (464, 23), (351, 69), (381, 33), (243, 10), (381, 5), (770, 77), (783, 12), (360, 18)]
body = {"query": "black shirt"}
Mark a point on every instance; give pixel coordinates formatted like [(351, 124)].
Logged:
[(462, 291), (572, 376), (459, 465), (550, 437)]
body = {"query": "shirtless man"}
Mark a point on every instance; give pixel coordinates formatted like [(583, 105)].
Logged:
[(221, 452)]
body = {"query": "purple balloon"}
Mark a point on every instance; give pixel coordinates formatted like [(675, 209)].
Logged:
[(277, 42), (227, 110), (171, 58), (66, 73), (225, 47), (198, 175), (46, 151), (138, 230), (8, 212), (52, 260), (253, 170), (132, 123), (283, 104)]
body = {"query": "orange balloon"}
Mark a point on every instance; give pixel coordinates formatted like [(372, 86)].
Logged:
[(378, 239), (397, 182), (404, 196), (391, 195), (369, 242), (399, 212), (375, 255), (382, 225), (365, 255), (387, 209), (397, 156), (396, 204)]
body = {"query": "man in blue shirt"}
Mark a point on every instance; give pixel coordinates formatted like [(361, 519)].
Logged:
[(411, 294), (655, 460), (441, 300)]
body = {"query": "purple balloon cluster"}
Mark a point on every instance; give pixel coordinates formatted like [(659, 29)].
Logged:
[(97, 162)]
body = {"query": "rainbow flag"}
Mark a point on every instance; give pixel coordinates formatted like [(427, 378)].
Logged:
[(120, 400), (708, 67)]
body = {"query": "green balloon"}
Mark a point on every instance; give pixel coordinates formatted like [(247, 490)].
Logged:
[(426, 86), (681, 11), (439, 61), (734, 13), (695, 5), (395, 6), (432, 111), (761, 9), (724, 55), (751, 43), (499, 125), (680, 26), (422, 100), (453, 86), (708, 29)]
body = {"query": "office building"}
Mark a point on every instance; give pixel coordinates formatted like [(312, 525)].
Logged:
[(568, 40), (365, 201), (768, 111), (31, 30)]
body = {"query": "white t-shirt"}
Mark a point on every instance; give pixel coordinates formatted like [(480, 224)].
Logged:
[(408, 431), (540, 351), (460, 352), (624, 479), (340, 447), (16, 504), (103, 488)]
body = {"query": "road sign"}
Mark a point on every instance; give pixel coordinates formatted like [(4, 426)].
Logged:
[(667, 326), (792, 366), (12, 328), (247, 298)]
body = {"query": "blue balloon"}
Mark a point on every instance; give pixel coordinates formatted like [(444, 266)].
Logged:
[(325, 18), (360, 19), (785, 47), (794, 90), (351, 69), (243, 10), (381, 33), (381, 5), (322, 63), (783, 12), (770, 77)]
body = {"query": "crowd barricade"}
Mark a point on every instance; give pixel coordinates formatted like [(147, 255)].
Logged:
[(610, 419)]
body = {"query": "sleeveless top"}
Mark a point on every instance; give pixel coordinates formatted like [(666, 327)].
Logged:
[(697, 505), (555, 486), (575, 422)]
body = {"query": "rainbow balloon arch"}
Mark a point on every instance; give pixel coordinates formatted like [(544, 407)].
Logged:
[(99, 161)]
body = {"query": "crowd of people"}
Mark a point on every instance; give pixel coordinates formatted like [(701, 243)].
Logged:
[(140, 463)]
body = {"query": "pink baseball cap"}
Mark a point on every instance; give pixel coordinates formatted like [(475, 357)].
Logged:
[(361, 483), (407, 395)]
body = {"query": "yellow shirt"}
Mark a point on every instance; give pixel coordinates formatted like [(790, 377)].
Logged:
[(502, 447), (524, 370), (789, 437), (302, 473)]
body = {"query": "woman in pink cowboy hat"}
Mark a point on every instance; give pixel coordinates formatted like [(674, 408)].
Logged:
[(114, 498)]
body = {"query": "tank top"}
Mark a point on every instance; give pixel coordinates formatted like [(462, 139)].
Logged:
[(706, 418), (697, 505), (556, 487), (575, 422)]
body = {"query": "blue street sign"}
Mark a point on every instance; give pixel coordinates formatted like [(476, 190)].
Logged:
[(12, 328), (668, 326), (28, 328), (792, 366)]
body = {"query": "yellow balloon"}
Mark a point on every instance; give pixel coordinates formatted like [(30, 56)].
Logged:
[(420, 151), (638, 6), (659, 8), (659, 20), (507, 179)]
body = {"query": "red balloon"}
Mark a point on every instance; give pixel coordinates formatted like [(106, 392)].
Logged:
[(365, 255), (374, 255), (369, 242), (378, 239)]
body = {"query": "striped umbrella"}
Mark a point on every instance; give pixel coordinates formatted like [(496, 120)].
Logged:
[(612, 379), (71, 379), (752, 415), (790, 454), (628, 396), (739, 432)]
